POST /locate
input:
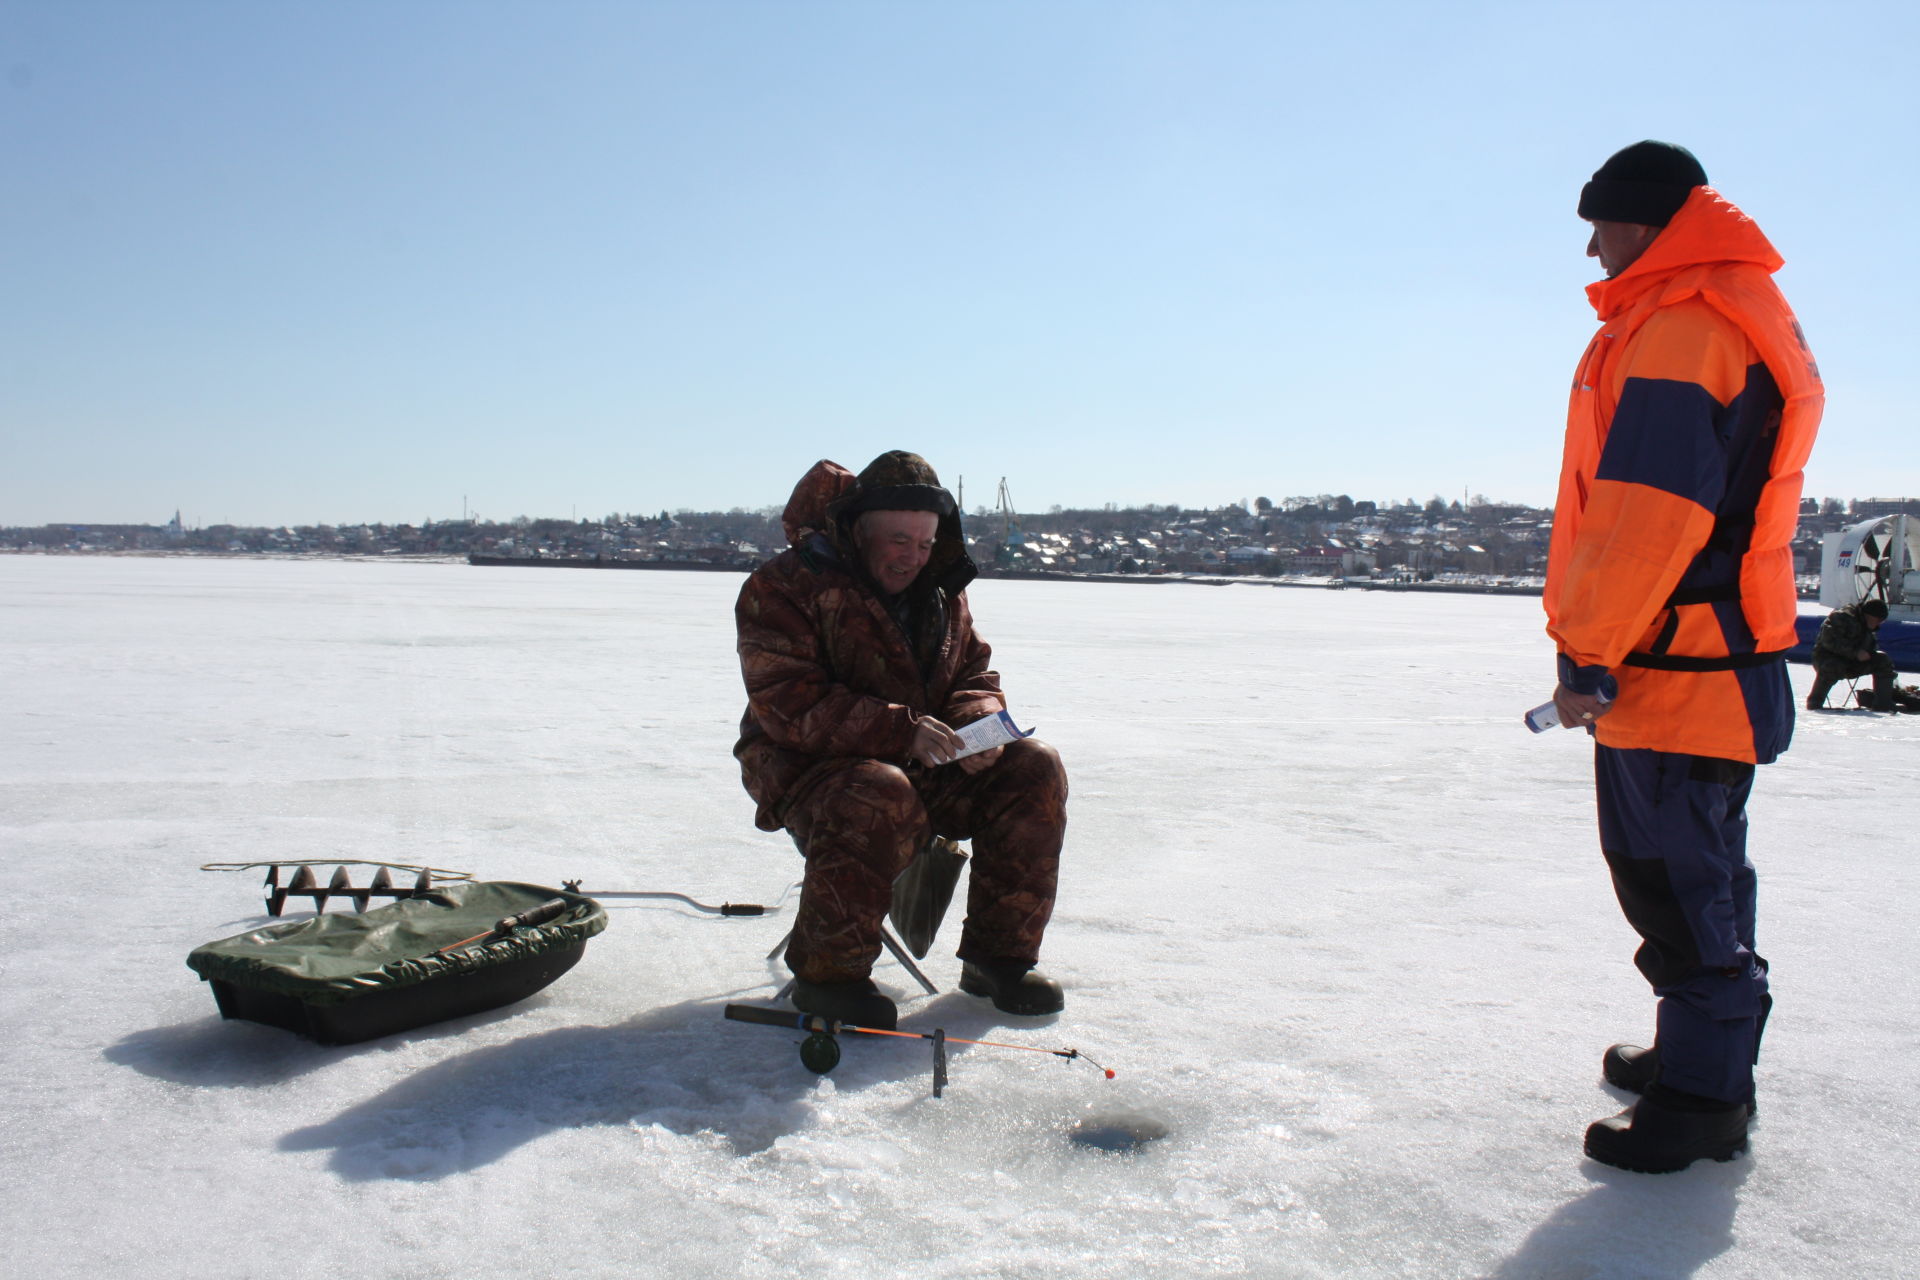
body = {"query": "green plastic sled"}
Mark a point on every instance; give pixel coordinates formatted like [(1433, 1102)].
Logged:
[(344, 978)]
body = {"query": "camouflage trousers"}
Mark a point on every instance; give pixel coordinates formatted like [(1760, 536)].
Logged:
[(860, 824)]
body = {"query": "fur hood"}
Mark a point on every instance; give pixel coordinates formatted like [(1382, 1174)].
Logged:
[(819, 518)]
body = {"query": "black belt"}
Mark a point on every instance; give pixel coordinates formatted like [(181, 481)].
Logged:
[(1704, 595), (1677, 662)]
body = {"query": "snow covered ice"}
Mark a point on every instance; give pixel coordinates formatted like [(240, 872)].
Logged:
[(1335, 918)]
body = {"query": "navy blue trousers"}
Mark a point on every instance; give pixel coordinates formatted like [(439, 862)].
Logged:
[(1674, 831)]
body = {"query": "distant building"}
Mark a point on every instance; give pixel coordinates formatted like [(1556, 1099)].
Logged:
[(1320, 562), (1495, 512), (1874, 508)]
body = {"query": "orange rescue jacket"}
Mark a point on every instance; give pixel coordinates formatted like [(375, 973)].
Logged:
[(1690, 419)]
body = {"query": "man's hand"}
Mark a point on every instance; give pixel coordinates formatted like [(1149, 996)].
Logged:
[(1861, 655), (981, 760), (1578, 710), (933, 743)]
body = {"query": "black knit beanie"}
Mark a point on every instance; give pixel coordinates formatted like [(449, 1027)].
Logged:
[(1874, 609), (1644, 183)]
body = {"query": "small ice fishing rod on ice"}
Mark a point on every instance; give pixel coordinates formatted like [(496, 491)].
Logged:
[(820, 1052), (551, 909)]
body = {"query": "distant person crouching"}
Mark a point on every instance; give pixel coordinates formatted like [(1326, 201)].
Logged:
[(1846, 648)]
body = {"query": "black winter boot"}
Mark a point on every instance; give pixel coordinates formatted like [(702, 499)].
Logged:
[(1014, 987), (1817, 696), (858, 1003), (1629, 1067), (1667, 1130)]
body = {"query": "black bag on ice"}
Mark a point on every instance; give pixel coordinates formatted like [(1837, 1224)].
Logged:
[(921, 893)]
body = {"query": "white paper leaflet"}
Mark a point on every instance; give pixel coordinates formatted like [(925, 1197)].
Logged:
[(997, 730)]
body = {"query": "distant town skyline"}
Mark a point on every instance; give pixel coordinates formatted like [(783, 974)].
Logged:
[(308, 262), (1329, 535), (1874, 504)]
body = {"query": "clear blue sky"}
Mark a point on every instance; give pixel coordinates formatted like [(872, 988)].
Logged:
[(301, 262)]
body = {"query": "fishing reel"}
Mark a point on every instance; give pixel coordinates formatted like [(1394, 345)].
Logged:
[(820, 1051)]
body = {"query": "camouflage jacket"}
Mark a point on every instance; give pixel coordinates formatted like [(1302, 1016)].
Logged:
[(830, 672), (1844, 634)]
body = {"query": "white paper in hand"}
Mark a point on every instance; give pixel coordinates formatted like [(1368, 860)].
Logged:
[(997, 730)]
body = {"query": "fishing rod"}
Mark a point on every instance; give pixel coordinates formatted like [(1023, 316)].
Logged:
[(820, 1051), (505, 925)]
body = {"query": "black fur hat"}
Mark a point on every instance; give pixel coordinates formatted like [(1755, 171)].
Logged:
[(897, 481)]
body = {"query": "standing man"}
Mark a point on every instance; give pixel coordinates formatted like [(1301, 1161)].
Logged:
[(1670, 597), (860, 660)]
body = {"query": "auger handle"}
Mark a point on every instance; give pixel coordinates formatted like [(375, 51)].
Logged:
[(724, 909)]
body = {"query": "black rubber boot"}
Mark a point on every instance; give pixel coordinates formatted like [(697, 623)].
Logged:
[(858, 1003), (1817, 696), (1629, 1067), (1013, 986), (1668, 1130)]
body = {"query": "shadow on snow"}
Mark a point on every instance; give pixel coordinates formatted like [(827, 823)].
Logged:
[(213, 1052), (1635, 1224), (683, 1068)]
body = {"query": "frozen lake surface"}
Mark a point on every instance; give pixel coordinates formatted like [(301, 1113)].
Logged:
[(1336, 920)]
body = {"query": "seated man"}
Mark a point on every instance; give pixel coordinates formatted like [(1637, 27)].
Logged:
[(1845, 648), (860, 661)]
